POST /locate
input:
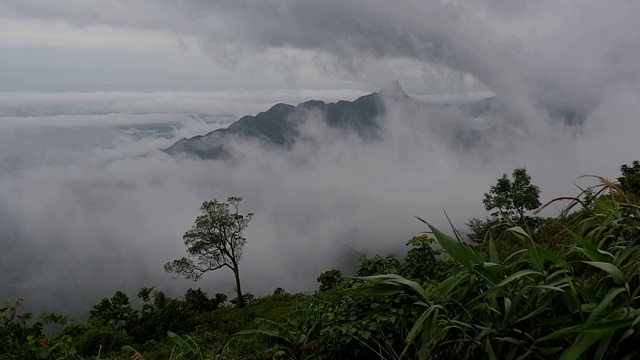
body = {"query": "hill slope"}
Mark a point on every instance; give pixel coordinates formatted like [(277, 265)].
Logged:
[(279, 126)]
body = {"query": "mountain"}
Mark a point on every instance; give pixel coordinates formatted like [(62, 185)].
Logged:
[(278, 126), (461, 126)]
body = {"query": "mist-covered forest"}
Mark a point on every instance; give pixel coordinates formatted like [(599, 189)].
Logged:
[(510, 285), (319, 179)]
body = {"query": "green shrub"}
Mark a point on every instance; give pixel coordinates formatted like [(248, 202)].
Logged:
[(19, 340), (533, 304)]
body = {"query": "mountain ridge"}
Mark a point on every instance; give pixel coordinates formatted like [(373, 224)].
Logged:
[(278, 126)]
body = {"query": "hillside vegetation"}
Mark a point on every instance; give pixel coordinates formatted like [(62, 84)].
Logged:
[(511, 286)]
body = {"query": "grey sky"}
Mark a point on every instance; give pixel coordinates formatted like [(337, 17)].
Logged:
[(109, 209), (209, 45), (301, 42)]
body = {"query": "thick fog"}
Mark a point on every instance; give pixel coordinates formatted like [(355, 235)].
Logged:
[(89, 205)]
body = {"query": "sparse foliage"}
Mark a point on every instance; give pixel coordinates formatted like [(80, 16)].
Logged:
[(295, 340), (630, 179), (329, 280), (247, 298), (22, 338), (377, 264), (115, 312), (558, 288), (279, 291), (535, 306), (420, 262), (215, 241), (511, 198)]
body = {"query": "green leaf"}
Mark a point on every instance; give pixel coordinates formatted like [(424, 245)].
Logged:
[(389, 281), (486, 274), (613, 293), (514, 254), (184, 347), (603, 347), (587, 248), (377, 289), (493, 252), (550, 256), (551, 350), (547, 287), (517, 276), (451, 284), (536, 256), (256, 335), (512, 340), (579, 347), (490, 352), (459, 251), (418, 326), (595, 328), (611, 269)]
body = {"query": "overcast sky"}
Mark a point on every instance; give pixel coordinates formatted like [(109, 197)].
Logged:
[(217, 45), (85, 208), (569, 52)]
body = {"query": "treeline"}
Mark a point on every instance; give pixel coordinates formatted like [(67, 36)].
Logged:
[(512, 286)]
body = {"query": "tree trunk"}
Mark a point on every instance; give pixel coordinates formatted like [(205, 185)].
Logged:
[(521, 213), (236, 272)]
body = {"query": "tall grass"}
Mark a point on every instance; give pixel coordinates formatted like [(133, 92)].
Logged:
[(533, 304)]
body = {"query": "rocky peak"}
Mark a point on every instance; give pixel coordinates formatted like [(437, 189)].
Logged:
[(393, 90)]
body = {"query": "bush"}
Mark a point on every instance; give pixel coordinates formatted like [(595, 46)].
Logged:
[(536, 305)]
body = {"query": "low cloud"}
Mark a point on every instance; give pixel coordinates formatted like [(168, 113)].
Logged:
[(77, 231), (91, 215), (23, 109)]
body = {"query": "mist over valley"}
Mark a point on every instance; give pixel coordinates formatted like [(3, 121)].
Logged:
[(102, 174)]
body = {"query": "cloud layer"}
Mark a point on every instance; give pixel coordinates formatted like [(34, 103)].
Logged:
[(100, 210), (571, 53)]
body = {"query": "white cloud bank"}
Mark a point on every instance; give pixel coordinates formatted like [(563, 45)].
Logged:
[(109, 220)]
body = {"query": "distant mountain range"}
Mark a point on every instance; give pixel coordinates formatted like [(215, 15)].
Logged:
[(278, 126)]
